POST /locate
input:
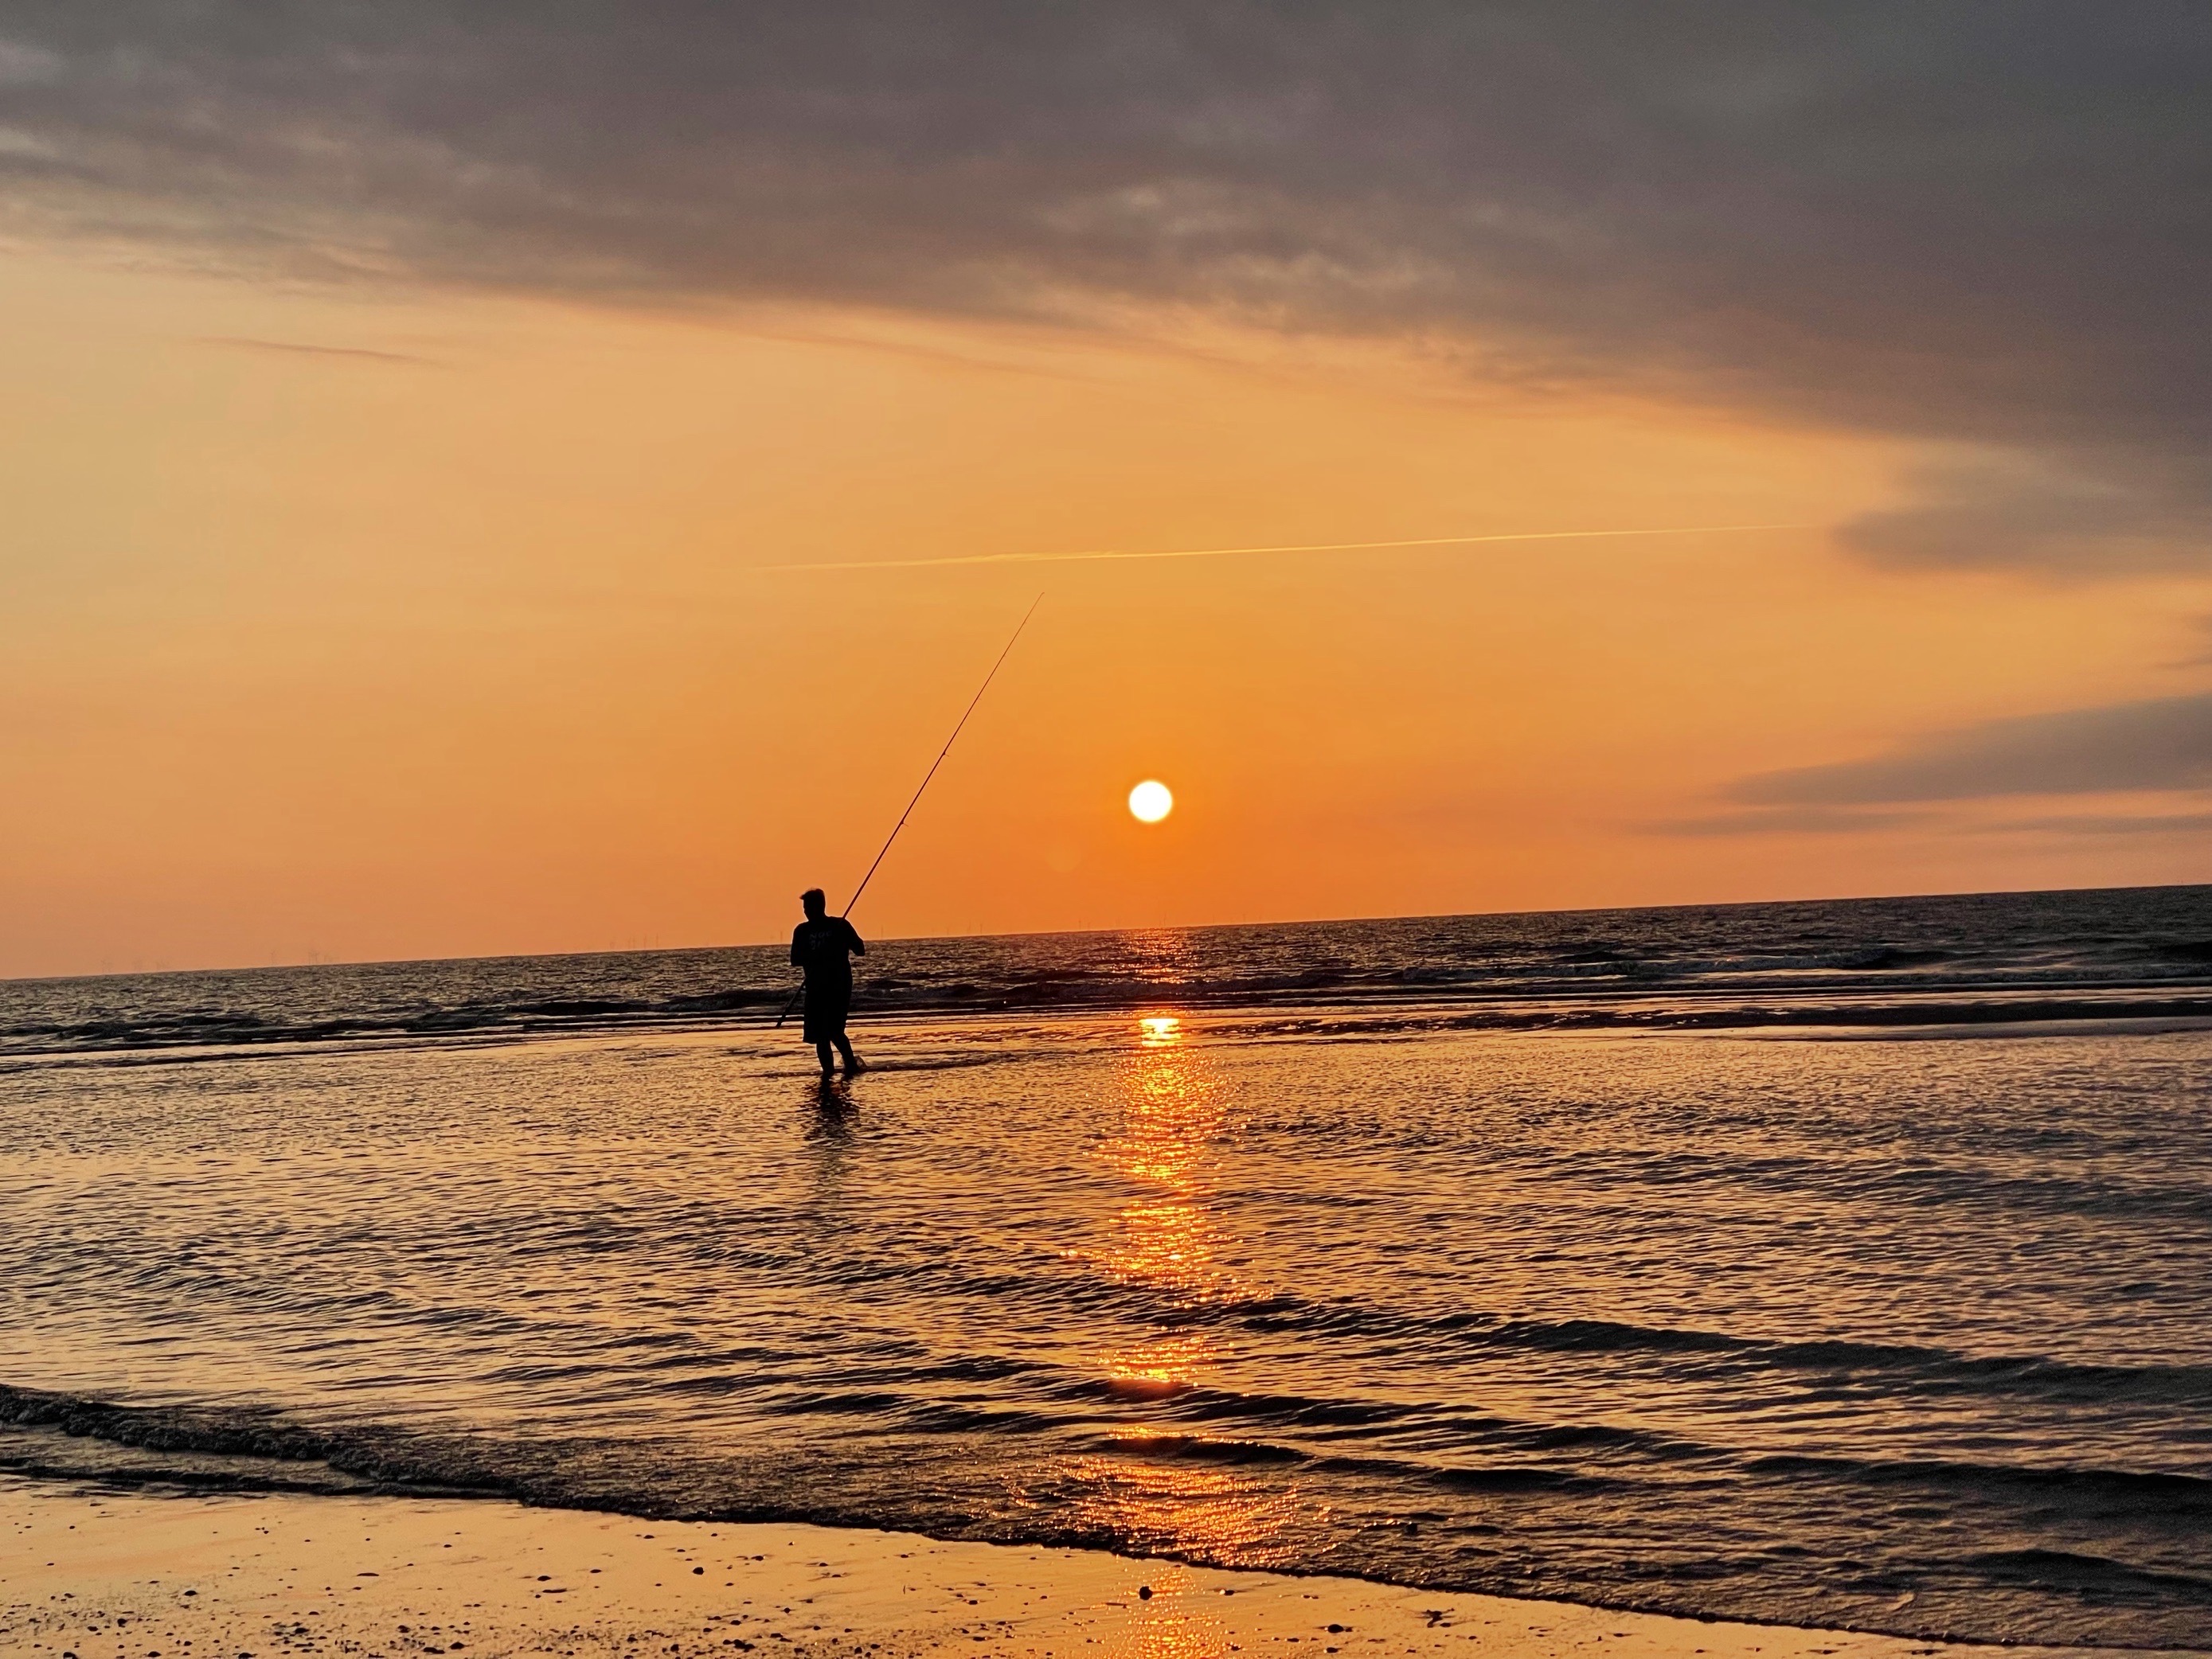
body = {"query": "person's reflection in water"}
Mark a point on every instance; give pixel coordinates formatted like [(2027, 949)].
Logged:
[(833, 1110), (826, 1117)]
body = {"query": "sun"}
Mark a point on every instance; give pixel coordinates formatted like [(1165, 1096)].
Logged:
[(1151, 801)]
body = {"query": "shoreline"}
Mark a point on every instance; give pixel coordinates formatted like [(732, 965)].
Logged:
[(95, 1570), (1353, 1021)]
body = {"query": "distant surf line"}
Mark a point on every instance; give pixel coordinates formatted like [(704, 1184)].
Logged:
[(1297, 547)]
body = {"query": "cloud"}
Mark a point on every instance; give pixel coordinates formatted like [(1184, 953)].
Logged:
[(2158, 744), (26, 66), (2144, 823), (1981, 223), (2063, 521)]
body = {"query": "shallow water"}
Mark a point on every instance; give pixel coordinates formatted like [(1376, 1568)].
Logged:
[(1820, 1325)]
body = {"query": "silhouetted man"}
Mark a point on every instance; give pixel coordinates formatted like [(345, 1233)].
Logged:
[(824, 946)]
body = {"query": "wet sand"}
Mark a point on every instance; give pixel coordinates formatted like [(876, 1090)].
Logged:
[(129, 1574)]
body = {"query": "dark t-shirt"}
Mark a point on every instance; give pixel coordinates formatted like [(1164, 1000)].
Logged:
[(823, 949)]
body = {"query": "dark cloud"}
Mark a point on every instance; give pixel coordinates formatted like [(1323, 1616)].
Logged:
[(1850, 821), (2089, 823), (2063, 516), (2162, 744), (1987, 222)]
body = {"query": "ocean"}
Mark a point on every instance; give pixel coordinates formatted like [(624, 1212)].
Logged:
[(1843, 1264)]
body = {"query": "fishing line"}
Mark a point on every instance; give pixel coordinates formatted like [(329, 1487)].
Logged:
[(925, 777)]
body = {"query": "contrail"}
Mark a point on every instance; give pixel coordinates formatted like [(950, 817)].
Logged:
[(1297, 547)]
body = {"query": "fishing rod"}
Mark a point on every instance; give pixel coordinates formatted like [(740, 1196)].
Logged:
[(925, 777)]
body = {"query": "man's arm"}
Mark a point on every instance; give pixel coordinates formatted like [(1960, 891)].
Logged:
[(798, 954), (859, 946)]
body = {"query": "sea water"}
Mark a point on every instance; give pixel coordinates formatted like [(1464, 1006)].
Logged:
[(1843, 1264)]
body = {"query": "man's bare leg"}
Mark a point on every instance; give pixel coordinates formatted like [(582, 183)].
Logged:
[(821, 1052), (852, 1060)]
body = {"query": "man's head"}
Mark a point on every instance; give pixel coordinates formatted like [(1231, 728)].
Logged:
[(814, 903)]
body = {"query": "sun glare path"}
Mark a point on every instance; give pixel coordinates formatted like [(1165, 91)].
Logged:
[(1168, 1237)]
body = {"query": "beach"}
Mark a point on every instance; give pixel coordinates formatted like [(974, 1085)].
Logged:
[(97, 1571)]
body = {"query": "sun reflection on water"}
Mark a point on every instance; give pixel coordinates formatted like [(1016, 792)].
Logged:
[(1167, 1236), (1214, 1514), (1168, 1239), (1162, 1366)]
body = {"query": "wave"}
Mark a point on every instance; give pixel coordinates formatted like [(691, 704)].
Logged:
[(2094, 1573), (1904, 1369), (1903, 1364), (245, 1027), (410, 1458), (269, 1448), (580, 1017), (239, 1432), (959, 1492), (1976, 959)]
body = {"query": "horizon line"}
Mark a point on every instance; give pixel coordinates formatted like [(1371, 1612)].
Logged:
[(773, 943)]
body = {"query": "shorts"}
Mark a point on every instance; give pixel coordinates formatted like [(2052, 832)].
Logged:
[(826, 1007)]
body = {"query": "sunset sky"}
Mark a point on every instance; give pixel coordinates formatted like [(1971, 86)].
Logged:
[(422, 423)]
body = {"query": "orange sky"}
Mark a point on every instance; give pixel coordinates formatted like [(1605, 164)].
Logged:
[(446, 636)]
